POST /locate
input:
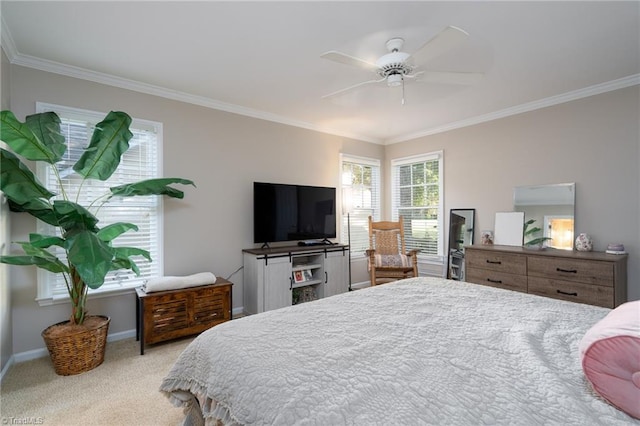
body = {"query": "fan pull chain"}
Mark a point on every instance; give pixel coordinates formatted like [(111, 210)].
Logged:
[(402, 90)]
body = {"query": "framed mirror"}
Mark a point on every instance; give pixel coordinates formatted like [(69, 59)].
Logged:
[(461, 224), (551, 207)]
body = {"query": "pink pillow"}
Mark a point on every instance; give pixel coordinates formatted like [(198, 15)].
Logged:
[(610, 353)]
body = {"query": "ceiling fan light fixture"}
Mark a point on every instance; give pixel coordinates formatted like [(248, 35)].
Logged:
[(394, 80)]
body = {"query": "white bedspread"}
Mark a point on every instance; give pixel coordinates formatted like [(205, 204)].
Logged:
[(416, 352)]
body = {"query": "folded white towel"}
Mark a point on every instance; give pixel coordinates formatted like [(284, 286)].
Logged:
[(174, 283)]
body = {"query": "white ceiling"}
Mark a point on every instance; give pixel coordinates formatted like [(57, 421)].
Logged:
[(262, 59)]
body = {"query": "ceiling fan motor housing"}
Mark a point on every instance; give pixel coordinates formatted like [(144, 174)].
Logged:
[(394, 65)]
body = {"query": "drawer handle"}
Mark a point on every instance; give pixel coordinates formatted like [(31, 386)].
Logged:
[(571, 271), (566, 294), (494, 281), (494, 262)]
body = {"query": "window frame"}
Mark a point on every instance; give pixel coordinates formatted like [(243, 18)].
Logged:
[(48, 293), (376, 199), (395, 199)]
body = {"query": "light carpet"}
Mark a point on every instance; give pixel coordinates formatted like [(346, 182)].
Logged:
[(121, 391)]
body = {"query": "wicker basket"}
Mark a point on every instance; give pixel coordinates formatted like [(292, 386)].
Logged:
[(75, 349)]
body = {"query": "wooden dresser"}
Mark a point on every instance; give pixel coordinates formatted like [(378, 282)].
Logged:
[(166, 315), (593, 278)]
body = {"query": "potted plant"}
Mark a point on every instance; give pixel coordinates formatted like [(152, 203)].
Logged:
[(533, 243), (89, 253)]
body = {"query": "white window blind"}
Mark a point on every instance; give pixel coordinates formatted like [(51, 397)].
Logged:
[(417, 189), (360, 199), (141, 161)]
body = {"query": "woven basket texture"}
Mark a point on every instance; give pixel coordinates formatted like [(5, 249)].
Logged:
[(80, 350)]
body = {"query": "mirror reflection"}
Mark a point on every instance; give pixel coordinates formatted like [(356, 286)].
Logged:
[(552, 209), (460, 235)]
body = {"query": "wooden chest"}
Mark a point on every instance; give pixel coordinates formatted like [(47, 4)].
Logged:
[(166, 315), (585, 277)]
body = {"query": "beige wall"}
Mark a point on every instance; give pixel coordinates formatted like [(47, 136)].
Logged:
[(207, 230), (594, 142)]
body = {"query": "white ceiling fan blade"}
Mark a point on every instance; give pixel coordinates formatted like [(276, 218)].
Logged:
[(447, 39), (343, 58), (449, 77), (355, 86)]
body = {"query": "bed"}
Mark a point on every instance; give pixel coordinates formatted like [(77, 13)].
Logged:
[(417, 351)]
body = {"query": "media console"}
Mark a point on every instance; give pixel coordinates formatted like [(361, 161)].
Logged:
[(283, 276)]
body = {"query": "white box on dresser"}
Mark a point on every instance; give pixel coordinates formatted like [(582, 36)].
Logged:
[(593, 278)]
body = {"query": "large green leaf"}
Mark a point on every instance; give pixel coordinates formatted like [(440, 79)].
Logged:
[(122, 258), (126, 252), (73, 217), (44, 241), (54, 266), (46, 127), (36, 256), (111, 232), (90, 256), (109, 141), (45, 144), (151, 187), (19, 183), (37, 208)]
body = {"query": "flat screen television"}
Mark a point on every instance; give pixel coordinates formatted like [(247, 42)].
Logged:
[(284, 212)]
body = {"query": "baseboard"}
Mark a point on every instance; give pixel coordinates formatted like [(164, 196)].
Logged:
[(42, 352), (360, 285), (6, 368)]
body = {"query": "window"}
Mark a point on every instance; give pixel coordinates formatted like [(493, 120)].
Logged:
[(142, 161), (360, 199), (417, 196)]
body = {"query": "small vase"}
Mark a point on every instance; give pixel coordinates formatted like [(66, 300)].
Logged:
[(584, 242)]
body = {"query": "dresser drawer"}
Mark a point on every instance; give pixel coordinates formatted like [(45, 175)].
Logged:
[(496, 261), (572, 291), (583, 271), (496, 279)]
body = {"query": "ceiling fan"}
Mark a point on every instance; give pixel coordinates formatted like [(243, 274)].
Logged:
[(397, 66)]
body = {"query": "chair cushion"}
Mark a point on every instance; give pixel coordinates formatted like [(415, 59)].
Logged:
[(392, 261), (610, 353)]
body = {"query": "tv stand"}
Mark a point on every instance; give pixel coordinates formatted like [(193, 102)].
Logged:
[(283, 276)]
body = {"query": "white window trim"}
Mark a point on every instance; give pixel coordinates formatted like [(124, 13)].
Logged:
[(374, 162), (45, 296), (435, 155)]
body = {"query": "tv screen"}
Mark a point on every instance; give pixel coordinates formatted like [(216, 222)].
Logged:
[(284, 212)]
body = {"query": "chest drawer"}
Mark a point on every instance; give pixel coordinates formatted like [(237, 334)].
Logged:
[(572, 291), (496, 261), (497, 279), (583, 271)]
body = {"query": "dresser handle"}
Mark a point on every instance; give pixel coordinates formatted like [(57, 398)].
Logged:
[(495, 262), (571, 271), (566, 294), (494, 281)]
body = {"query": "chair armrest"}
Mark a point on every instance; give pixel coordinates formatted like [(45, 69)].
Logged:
[(413, 253), (370, 252)]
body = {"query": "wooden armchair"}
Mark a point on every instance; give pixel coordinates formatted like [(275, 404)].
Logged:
[(388, 258)]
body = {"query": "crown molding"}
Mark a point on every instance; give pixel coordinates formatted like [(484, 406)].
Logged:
[(76, 72), (150, 89), (6, 41), (596, 89)]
